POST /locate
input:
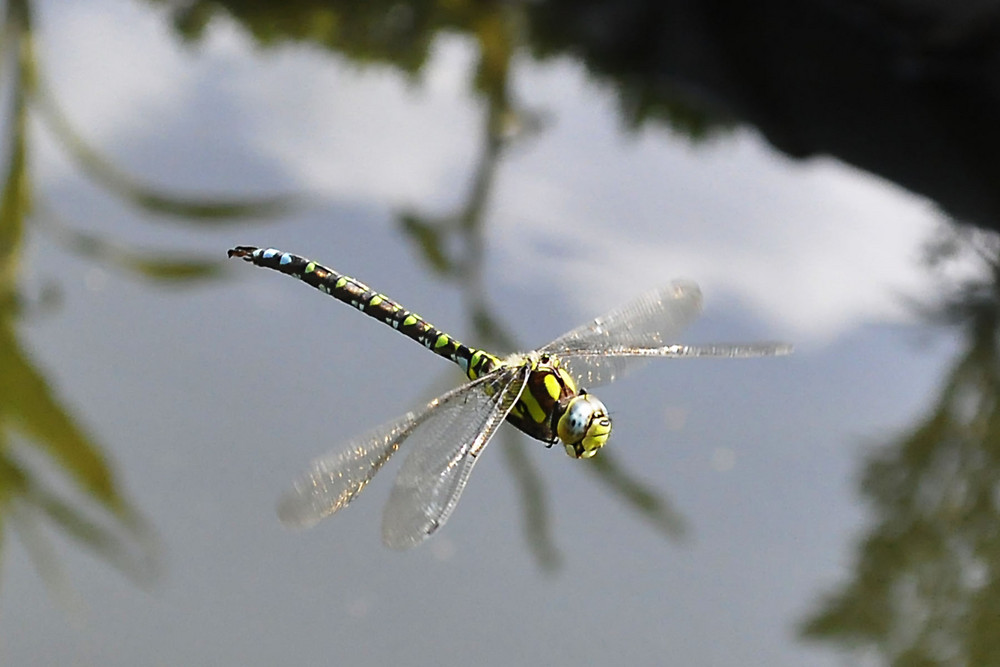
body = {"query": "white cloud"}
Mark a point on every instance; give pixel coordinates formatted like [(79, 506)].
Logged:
[(817, 246), (367, 133), (112, 63)]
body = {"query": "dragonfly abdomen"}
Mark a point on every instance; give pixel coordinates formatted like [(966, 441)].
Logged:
[(374, 304)]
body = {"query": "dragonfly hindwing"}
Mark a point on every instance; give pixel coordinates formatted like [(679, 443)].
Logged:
[(445, 447), (599, 352), (334, 480)]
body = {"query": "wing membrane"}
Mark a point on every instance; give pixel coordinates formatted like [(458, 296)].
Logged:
[(435, 472), (334, 480), (611, 345), (593, 352)]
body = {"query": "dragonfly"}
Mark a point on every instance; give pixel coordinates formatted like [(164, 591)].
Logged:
[(540, 392)]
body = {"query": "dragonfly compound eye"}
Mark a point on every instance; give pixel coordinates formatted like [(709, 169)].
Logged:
[(584, 427)]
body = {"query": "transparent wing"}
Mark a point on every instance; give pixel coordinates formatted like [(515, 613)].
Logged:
[(593, 352), (334, 480), (434, 474), (606, 348)]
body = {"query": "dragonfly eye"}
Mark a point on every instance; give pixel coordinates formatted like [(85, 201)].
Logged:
[(584, 427)]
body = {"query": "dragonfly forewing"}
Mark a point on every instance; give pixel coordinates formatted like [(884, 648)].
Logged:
[(593, 352), (444, 450), (334, 480)]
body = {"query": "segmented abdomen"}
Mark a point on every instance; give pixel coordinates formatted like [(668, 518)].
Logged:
[(355, 293)]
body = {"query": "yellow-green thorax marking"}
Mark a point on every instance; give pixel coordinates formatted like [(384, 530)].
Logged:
[(551, 407)]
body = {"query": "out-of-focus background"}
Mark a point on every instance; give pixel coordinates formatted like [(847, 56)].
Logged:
[(826, 171)]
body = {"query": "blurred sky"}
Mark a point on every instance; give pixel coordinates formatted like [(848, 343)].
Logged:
[(210, 399)]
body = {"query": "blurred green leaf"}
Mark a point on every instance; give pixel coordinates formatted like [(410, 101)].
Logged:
[(534, 505), (184, 208), (642, 499), (151, 265), (924, 588), (16, 198), (29, 406)]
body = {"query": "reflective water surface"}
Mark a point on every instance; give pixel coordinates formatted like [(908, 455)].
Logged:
[(508, 171)]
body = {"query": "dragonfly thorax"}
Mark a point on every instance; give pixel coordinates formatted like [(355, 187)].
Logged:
[(552, 408), (585, 426)]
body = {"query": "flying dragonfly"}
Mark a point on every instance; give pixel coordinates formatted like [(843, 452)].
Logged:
[(540, 392)]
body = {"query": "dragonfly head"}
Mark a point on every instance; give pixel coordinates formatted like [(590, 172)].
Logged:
[(585, 426)]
